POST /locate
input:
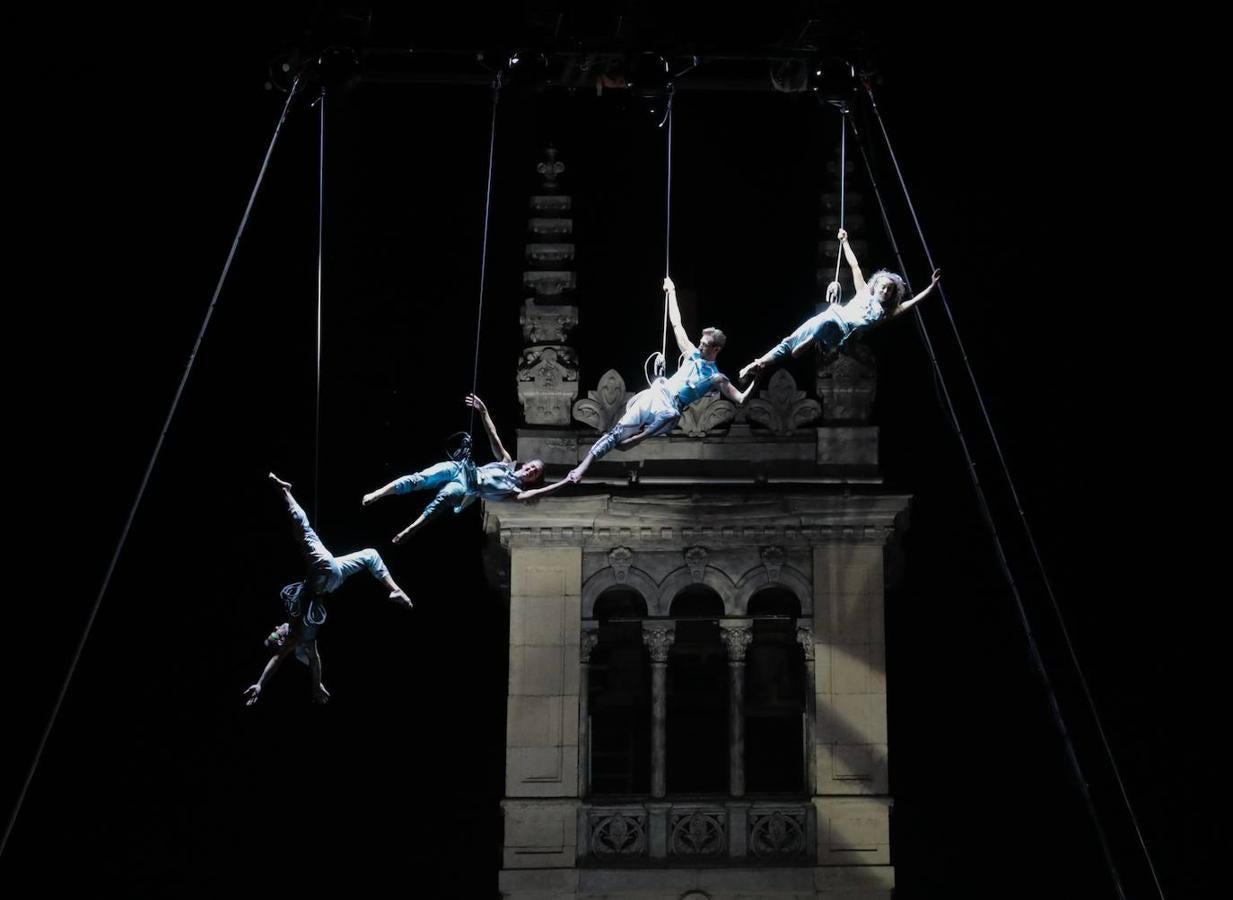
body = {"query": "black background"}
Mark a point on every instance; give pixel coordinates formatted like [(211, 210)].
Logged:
[(1024, 140)]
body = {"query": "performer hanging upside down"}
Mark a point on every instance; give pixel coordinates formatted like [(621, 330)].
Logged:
[(879, 298), (657, 409), (304, 600), (460, 482)]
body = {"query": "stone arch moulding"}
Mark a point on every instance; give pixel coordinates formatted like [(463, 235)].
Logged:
[(635, 579), (756, 579), (679, 579)]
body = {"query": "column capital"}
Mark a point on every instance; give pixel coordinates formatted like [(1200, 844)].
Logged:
[(804, 637), (737, 635), (659, 638), (587, 641)]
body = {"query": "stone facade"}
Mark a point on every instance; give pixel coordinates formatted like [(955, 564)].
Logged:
[(697, 679), (821, 548)]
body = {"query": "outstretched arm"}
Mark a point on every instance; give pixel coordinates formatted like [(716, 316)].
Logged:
[(252, 693), (727, 389), (541, 491), (908, 304), (858, 279), (683, 343), (494, 440)]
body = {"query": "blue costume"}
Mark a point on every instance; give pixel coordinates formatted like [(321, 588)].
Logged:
[(657, 409), (833, 325), (326, 573), (459, 483)]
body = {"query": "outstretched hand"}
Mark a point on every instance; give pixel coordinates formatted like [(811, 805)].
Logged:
[(755, 368), (252, 694), (936, 277), (320, 694), (475, 403)]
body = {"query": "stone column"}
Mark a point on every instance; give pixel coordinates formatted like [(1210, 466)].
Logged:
[(659, 637), (737, 635), (589, 638), (804, 637)]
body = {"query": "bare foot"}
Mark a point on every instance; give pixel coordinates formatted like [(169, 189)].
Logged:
[(285, 485)]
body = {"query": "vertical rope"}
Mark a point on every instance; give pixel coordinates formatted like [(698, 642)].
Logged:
[(145, 479), (320, 265), (843, 174), (479, 315), (668, 223)]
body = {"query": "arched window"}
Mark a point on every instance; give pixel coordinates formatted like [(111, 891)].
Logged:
[(619, 702), (697, 727), (774, 696)]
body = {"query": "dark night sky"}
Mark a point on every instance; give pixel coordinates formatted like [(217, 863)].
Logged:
[(141, 138)]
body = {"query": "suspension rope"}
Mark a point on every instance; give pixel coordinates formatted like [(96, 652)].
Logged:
[(320, 264), (1014, 493), (668, 220), (479, 315), (843, 173), (145, 480), (987, 515)]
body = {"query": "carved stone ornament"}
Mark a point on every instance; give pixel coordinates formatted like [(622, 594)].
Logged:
[(547, 384), (587, 642), (777, 835), (695, 558), (551, 168), (706, 415), (549, 256), (606, 404), (698, 834), (781, 407), (620, 558), (659, 640), (772, 559), (547, 324), (549, 283), (737, 639), (618, 834), (804, 637)]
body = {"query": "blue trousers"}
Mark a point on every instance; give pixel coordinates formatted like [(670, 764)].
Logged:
[(451, 481), (651, 410), (326, 571), (826, 328)]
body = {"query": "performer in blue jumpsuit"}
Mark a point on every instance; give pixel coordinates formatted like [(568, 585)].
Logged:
[(458, 483), (304, 601), (657, 409), (879, 298)]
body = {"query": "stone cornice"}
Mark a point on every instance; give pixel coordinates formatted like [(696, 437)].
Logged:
[(658, 518)]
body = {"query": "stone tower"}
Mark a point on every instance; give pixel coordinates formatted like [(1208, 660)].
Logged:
[(697, 693)]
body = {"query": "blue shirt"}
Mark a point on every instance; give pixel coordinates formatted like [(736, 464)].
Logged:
[(497, 481), (860, 311), (693, 380)]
